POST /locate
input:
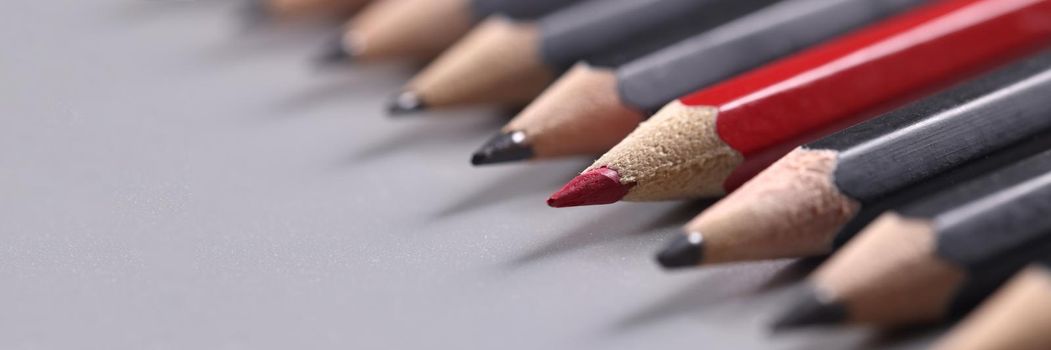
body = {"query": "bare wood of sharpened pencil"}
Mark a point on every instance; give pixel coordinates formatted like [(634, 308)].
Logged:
[(575, 113), (940, 256), (417, 29), (899, 254), (1015, 318), (499, 42), (678, 140), (887, 162), (301, 8), (793, 208)]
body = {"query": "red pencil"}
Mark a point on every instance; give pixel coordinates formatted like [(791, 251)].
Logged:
[(709, 142)]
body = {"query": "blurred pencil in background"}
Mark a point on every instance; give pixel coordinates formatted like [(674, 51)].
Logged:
[(421, 29), (508, 62), (291, 9), (592, 107)]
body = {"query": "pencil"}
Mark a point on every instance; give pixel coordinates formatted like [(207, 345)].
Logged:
[(508, 62), (823, 186), (1015, 318), (698, 144), (592, 107), (937, 257), (421, 29), (287, 9)]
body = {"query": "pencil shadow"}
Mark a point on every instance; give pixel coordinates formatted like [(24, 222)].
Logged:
[(716, 286), (317, 96), (328, 93), (427, 131), (905, 337), (792, 273), (619, 224), (526, 181), (719, 285), (306, 38)]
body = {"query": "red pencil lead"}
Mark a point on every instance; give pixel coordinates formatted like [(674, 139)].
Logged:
[(596, 186)]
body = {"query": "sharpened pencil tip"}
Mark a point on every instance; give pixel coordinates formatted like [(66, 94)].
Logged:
[(335, 51), (596, 186), (405, 102), (685, 251), (811, 310), (502, 148)]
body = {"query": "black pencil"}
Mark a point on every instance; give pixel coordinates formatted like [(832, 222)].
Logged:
[(1017, 317), (828, 189), (510, 62), (937, 257)]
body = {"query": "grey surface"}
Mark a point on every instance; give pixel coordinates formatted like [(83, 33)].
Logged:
[(172, 180)]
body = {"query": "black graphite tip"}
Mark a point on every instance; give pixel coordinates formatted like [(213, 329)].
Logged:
[(334, 51), (811, 309), (405, 102), (685, 251), (503, 148)]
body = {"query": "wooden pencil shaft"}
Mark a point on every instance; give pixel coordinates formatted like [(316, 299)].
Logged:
[(651, 81), (595, 26), (1028, 133), (732, 47), (511, 52), (845, 81), (794, 203), (943, 131), (767, 112)]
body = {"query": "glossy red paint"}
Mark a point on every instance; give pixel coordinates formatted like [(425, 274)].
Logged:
[(849, 79)]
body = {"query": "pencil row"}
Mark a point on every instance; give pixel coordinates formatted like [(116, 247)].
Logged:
[(923, 128)]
